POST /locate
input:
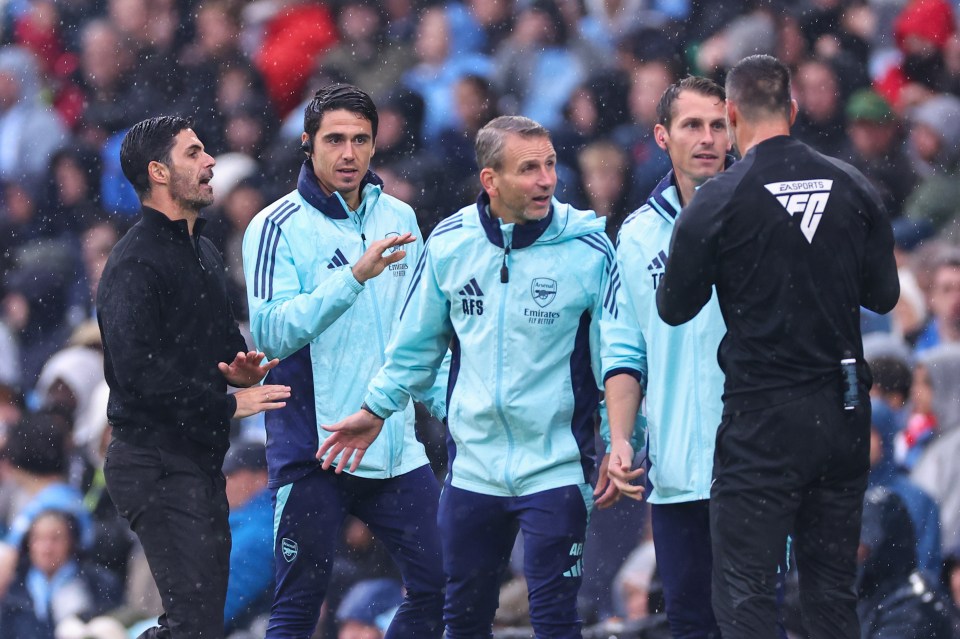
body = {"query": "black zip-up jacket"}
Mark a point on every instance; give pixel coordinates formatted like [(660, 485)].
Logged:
[(795, 243), (166, 323)]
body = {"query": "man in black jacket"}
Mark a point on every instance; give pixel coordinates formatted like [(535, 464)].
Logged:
[(167, 335), (795, 243)]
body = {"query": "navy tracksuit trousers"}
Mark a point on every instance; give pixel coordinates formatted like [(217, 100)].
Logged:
[(478, 533), (401, 512)]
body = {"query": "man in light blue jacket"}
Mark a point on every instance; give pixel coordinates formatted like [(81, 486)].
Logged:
[(514, 286), (327, 267), (674, 368)]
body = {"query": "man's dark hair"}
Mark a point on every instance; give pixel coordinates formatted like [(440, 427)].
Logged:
[(335, 97), (891, 375), (146, 142), (760, 87), (694, 83), (37, 444)]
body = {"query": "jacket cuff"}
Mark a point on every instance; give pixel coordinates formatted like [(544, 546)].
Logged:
[(351, 281), (376, 407)]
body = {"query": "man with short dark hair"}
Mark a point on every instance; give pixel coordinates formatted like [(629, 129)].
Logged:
[(795, 243), (514, 285), (327, 267), (167, 334), (673, 368)]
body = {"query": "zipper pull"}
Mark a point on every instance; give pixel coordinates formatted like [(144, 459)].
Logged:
[(504, 271)]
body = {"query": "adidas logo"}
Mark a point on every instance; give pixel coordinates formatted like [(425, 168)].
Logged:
[(576, 570), (803, 196), (337, 260), (657, 267), (658, 263), (471, 294)]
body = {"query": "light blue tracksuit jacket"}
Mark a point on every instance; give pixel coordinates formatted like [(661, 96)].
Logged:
[(519, 307), (677, 366), (329, 330)]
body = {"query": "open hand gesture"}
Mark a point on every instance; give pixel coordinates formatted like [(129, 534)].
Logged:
[(374, 259), (351, 437), (245, 369)]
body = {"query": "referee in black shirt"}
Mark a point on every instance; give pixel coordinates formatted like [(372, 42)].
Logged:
[(795, 242)]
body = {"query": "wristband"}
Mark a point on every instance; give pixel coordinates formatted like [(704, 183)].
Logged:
[(371, 411)]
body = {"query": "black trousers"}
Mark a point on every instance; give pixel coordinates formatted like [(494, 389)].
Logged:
[(796, 469), (180, 514)]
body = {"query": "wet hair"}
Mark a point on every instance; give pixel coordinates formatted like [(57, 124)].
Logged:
[(760, 87), (335, 97), (693, 83), (149, 141), (492, 137)]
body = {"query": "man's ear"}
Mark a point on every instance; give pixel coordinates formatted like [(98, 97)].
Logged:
[(488, 180), (157, 172), (661, 136), (794, 108)]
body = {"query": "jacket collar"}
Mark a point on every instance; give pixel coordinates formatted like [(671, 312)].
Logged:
[(523, 234), (331, 205), (665, 198), (173, 229)]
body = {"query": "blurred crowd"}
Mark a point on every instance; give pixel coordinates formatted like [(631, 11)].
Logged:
[(878, 85)]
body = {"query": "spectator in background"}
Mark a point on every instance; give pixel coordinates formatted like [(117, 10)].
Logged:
[(648, 161), (594, 110), (820, 97), (884, 471), (250, 589), (410, 168), (30, 130), (921, 31), (437, 71), (367, 609), (605, 183), (479, 26), (36, 458), (876, 147), (943, 327), (541, 63), (53, 582), (70, 202), (896, 601), (935, 145), (937, 471), (68, 379), (935, 404), (476, 104), (110, 102), (364, 56), (299, 31)]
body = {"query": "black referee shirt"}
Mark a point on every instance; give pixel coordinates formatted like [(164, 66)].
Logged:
[(795, 242)]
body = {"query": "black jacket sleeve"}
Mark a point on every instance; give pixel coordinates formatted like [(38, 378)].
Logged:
[(879, 282), (692, 263)]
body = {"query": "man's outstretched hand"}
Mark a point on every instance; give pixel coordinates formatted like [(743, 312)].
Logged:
[(350, 437), (374, 260), (257, 399), (245, 369)]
